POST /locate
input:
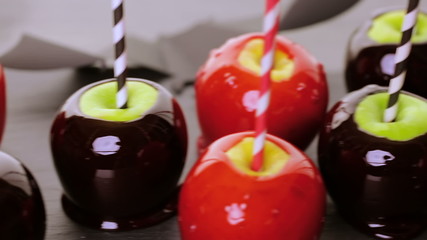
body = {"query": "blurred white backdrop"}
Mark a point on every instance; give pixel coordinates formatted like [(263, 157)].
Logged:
[(87, 24)]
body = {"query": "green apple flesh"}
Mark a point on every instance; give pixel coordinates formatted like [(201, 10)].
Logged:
[(386, 28), (251, 55), (411, 118), (100, 101), (240, 156)]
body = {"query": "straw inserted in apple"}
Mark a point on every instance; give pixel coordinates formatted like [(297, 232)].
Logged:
[(400, 60), (120, 61), (270, 29)]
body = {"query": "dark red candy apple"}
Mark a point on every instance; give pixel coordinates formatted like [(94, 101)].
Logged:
[(376, 172), (222, 198), (371, 49), (227, 91), (119, 167), (22, 213)]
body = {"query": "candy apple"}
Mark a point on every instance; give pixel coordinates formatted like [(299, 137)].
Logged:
[(222, 198), (227, 91), (376, 172), (2, 102), (371, 50), (21, 204), (119, 167)]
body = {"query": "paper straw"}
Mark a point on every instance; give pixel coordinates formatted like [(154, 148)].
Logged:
[(400, 61), (120, 61), (270, 28)]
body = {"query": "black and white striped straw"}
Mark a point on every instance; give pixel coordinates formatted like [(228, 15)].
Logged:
[(400, 60), (120, 61)]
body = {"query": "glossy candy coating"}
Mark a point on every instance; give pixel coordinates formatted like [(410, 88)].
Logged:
[(226, 94), (378, 185), (120, 175), (217, 201), (370, 62), (21, 204), (2, 102)]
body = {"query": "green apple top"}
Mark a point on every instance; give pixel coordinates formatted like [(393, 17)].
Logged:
[(100, 101), (386, 28), (240, 156), (410, 119), (250, 58)]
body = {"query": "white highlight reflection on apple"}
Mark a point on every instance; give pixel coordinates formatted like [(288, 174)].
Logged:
[(109, 225), (236, 213), (106, 145), (250, 99), (387, 64), (375, 225), (349, 103), (378, 158), (383, 236), (230, 79)]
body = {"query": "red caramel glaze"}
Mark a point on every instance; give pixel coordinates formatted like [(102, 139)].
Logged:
[(226, 93), (2, 102), (218, 201)]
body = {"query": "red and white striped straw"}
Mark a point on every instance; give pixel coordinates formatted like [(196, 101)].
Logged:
[(120, 61), (270, 29), (400, 61)]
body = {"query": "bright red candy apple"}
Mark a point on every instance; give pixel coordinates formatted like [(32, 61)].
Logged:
[(222, 198), (227, 90), (2, 102)]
